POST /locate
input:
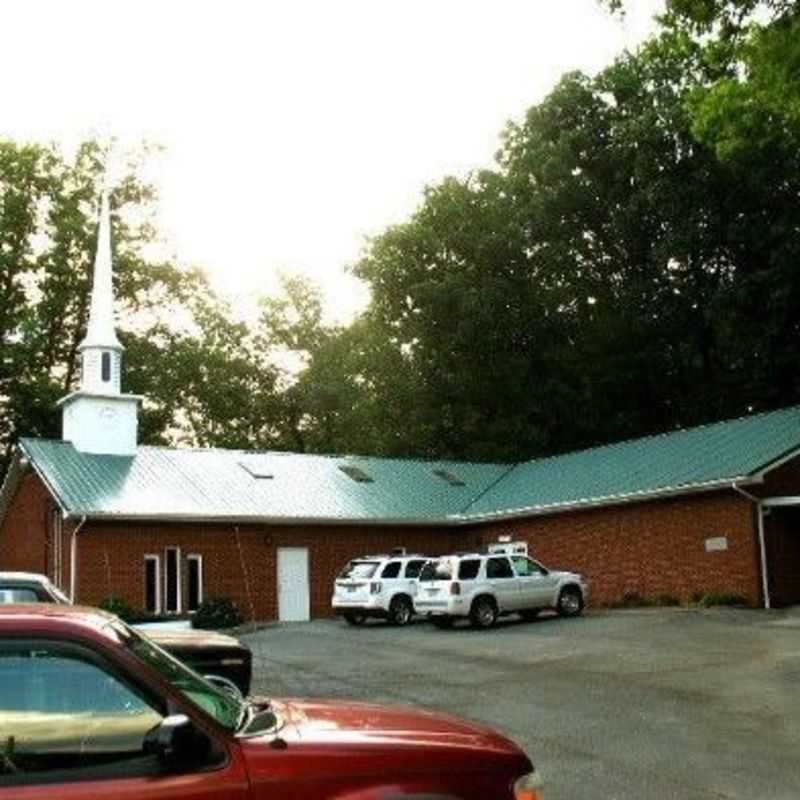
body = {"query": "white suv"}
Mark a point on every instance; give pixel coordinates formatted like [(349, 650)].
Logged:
[(484, 586), (378, 586)]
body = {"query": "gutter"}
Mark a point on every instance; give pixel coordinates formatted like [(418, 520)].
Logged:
[(762, 548), (73, 559)]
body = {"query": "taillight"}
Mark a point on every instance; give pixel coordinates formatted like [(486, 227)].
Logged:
[(375, 587), (455, 587)]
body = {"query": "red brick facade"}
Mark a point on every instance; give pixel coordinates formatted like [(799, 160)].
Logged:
[(239, 562), (649, 547)]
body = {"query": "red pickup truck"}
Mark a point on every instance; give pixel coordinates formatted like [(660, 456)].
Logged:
[(92, 708)]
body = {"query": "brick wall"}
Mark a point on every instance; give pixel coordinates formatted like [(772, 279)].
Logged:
[(23, 532), (238, 562), (649, 547)]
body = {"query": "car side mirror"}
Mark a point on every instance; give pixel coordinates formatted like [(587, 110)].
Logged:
[(225, 685), (177, 742)]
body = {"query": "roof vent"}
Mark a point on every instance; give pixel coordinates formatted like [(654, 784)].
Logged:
[(256, 471), (449, 477), (356, 473)]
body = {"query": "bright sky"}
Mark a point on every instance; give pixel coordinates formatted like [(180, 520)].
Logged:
[(294, 129)]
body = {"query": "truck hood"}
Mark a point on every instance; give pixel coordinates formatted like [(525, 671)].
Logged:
[(379, 740), (191, 639)]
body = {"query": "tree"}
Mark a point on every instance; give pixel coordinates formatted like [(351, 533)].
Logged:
[(184, 350)]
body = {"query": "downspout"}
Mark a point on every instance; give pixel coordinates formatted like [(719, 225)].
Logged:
[(762, 547), (73, 559)]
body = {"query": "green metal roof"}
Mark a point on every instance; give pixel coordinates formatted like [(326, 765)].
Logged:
[(681, 460), (161, 482), (222, 484)]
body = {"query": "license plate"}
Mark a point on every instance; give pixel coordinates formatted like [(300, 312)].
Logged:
[(432, 591)]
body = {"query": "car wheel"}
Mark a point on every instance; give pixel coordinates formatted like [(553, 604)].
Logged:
[(484, 613), (442, 623), (355, 618), (400, 611), (530, 614), (570, 602)]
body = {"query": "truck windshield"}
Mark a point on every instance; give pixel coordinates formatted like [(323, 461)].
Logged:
[(224, 708)]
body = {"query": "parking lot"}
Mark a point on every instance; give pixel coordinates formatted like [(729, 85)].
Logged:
[(650, 704)]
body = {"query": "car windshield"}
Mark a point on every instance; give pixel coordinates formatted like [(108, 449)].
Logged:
[(224, 708), (436, 571), (359, 569)]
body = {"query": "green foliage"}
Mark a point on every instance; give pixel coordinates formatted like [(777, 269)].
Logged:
[(722, 599), (665, 599), (217, 612), (120, 608)]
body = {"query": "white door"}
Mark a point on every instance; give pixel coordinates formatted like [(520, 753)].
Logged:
[(293, 593)]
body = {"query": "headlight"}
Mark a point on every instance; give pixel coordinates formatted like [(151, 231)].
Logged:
[(528, 787)]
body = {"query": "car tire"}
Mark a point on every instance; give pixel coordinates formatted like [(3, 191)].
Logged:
[(483, 613), (570, 602), (530, 614), (443, 623), (354, 618), (401, 611)]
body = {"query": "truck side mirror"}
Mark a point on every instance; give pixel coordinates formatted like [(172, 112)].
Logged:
[(178, 742)]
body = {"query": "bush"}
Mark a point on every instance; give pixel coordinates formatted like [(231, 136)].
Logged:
[(118, 607), (722, 599), (217, 612), (633, 600), (665, 599)]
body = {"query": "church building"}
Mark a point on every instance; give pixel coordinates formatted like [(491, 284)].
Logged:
[(709, 509)]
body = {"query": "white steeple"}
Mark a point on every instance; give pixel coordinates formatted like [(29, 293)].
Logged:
[(100, 331), (98, 418)]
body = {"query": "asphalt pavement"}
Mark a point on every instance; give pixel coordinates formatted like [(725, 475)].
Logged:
[(615, 705)]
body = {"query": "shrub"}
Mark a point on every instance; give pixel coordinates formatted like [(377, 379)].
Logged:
[(117, 606), (665, 599), (722, 599), (633, 600), (217, 612)]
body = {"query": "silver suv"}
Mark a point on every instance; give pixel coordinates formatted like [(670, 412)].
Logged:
[(380, 586), (484, 586)]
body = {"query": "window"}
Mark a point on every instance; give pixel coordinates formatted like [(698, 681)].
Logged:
[(70, 716), (468, 569), (413, 568), (526, 567), (17, 594), (152, 584), (105, 367), (498, 568), (194, 589), (356, 473), (359, 569), (391, 570), (437, 571), (449, 477), (172, 580)]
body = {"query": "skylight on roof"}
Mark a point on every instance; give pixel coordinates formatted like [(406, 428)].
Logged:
[(356, 473), (256, 471), (449, 477)]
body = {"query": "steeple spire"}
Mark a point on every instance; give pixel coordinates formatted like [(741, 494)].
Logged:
[(98, 418), (100, 331)]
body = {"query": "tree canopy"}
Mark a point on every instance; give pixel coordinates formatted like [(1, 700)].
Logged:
[(628, 264)]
